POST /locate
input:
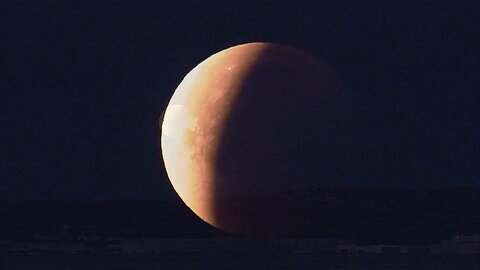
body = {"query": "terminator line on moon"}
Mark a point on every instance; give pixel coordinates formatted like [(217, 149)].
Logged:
[(248, 123)]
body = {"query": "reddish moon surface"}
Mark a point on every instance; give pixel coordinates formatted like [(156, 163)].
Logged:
[(249, 124)]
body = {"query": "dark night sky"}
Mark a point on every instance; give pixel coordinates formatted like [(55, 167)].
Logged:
[(83, 84)]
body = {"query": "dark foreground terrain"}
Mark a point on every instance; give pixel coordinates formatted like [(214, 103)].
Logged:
[(435, 229), (368, 216), (246, 261)]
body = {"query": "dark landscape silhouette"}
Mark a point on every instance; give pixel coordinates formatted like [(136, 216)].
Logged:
[(364, 215), (350, 228)]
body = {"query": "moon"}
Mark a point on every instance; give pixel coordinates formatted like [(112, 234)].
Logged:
[(248, 124)]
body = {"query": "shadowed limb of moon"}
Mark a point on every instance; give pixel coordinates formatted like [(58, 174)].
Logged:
[(249, 123)]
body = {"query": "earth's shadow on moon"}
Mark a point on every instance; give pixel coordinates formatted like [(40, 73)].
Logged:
[(288, 129)]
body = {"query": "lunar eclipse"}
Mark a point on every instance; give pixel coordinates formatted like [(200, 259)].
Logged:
[(252, 122)]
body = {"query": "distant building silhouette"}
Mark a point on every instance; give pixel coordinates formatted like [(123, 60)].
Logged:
[(459, 244)]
